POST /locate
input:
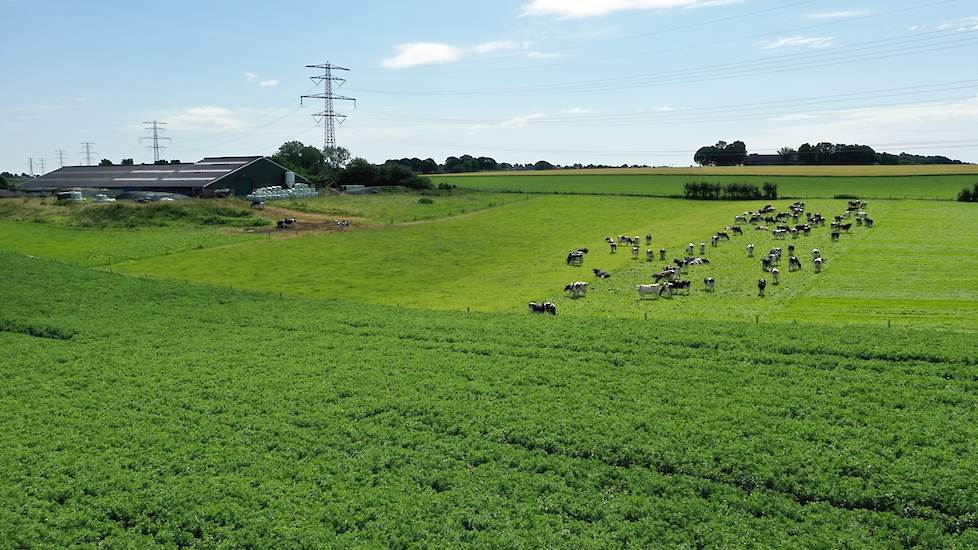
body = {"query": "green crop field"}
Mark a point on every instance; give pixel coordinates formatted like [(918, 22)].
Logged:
[(241, 419), (941, 187), (863, 170), (186, 378)]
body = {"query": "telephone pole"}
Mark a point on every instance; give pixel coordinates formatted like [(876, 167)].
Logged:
[(156, 127), (328, 116), (88, 152), (61, 157)]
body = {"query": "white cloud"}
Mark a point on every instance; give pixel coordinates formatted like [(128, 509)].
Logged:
[(844, 14), (251, 77), (268, 83), (422, 53), (575, 111), (816, 42), (500, 46), (520, 121), (206, 118), (542, 55), (574, 9), (916, 27), (964, 24)]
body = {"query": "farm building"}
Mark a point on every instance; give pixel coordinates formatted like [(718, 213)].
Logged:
[(240, 175)]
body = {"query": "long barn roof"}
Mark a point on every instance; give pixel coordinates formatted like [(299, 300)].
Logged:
[(197, 175)]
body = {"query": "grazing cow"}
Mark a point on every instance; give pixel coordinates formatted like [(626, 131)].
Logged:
[(577, 290), (846, 227), (761, 228), (601, 274), (835, 236), (649, 255), (702, 248), (816, 253), (666, 275), (736, 230), (546, 307), (750, 250), (614, 247), (634, 252), (342, 224), (723, 235), (775, 276), (791, 250), (648, 239), (711, 284), (818, 264), (679, 285), (740, 219), (780, 234), (794, 233), (761, 285), (869, 222), (689, 249), (649, 290), (575, 258), (715, 241), (662, 253), (794, 264), (666, 290), (767, 264)]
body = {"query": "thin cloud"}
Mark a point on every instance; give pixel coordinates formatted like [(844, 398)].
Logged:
[(422, 53), (206, 118), (268, 83), (251, 77), (500, 46), (576, 9), (844, 14), (814, 42), (964, 24), (542, 55)]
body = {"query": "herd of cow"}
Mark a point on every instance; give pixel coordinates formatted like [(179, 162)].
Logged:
[(669, 281)]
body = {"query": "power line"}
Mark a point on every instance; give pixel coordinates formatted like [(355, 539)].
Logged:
[(88, 152), (156, 127), (61, 157), (899, 46), (328, 116)]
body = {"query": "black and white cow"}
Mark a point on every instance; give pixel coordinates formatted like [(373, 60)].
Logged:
[(816, 253), (601, 274), (775, 276), (711, 284), (835, 236), (575, 258), (676, 286), (761, 285), (634, 252), (818, 264), (649, 290), (750, 250), (577, 290), (689, 249), (614, 246), (702, 249), (650, 255), (736, 230), (648, 240), (662, 253), (546, 307), (794, 264)]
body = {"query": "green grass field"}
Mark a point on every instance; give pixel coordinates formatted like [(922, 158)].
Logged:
[(241, 419), (848, 171), (941, 187), (386, 387), (401, 207)]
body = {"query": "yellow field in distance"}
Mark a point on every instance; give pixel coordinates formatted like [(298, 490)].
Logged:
[(863, 170)]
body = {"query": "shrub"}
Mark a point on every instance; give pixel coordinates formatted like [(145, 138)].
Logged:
[(425, 200), (968, 195)]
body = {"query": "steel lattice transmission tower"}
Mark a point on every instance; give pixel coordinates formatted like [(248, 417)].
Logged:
[(328, 116), (61, 157), (156, 127), (88, 152)]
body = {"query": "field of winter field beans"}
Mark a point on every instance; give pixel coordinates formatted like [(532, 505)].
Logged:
[(189, 375)]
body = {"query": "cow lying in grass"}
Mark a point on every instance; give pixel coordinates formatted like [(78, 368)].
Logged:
[(546, 307)]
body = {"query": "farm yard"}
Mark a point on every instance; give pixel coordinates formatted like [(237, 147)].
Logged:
[(181, 382)]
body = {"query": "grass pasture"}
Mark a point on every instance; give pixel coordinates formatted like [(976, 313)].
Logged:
[(241, 419), (939, 187), (182, 384), (846, 171)]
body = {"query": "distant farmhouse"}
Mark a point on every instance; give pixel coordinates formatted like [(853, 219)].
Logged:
[(239, 175)]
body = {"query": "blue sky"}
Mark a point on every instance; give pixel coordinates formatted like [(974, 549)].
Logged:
[(603, 81)]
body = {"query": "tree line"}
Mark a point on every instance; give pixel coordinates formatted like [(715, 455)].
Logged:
[(819, 154), (729, 192)]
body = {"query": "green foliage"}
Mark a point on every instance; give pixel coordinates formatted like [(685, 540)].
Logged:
[(721, 154), (836, 153), (4, 183), (308, 161), (105, 162), (729, 192), (361, 172), (969, 195), (426, 200), (245, 420), (159, 214)]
